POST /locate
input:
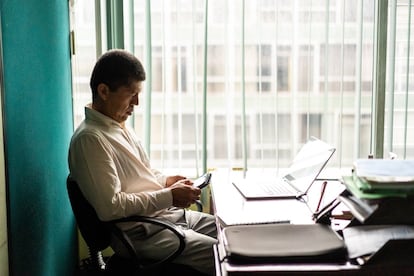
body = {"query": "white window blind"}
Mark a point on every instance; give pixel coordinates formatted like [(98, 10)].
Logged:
[(245, 83)]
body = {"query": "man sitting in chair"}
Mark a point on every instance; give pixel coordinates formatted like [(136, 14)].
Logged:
[(114, 173)]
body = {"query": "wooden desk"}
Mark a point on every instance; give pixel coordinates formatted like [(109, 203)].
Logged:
[(227, 202)]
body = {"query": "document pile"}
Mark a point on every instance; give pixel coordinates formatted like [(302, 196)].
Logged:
[(378, 178), (381, 191), (380, 197)]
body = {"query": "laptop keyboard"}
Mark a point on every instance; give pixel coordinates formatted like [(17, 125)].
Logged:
[(279, 188)]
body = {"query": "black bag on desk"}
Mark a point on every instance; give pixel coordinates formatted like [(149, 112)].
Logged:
[(284, 243)]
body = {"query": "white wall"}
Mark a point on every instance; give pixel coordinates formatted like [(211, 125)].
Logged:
[(4, 266)]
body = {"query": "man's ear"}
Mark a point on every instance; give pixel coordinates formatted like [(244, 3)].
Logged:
[(103, 91)]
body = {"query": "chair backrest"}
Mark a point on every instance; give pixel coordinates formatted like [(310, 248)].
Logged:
[(94, 231)]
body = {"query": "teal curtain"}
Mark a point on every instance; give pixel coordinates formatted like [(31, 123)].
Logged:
[(37, 129)]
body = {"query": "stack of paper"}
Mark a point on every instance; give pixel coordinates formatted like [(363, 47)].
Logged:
[(384, 176), (381, 191)]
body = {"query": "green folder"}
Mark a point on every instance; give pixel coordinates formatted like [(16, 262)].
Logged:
[(359, 190)]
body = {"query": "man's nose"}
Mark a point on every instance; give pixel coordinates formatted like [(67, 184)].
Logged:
[(135, 100)]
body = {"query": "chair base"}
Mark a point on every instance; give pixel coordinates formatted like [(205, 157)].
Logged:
[(87, 267)]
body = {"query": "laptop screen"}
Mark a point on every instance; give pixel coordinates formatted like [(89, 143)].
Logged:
[(308, 163)]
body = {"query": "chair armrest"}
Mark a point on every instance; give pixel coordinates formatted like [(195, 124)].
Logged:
[(121, 235), (199, 205)]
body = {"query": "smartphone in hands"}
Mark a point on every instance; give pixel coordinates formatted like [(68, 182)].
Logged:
[(202, 181)]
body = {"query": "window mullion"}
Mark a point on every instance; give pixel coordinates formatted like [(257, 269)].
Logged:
[(115, 24), (379, 77), (205, 89)]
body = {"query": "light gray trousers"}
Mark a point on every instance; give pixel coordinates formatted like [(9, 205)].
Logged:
[(200, 236)]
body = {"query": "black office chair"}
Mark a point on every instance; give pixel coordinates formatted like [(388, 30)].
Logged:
[(97, 235)]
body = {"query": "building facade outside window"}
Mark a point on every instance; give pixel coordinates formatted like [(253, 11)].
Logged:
[(307, 71)]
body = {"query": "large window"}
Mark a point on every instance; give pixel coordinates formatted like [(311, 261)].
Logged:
[(236, 83)]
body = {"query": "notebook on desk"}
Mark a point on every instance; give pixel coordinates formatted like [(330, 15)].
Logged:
[(304, 169)]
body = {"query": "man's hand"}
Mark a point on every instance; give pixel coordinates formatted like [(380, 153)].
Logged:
[(184, 194), (175, 178)]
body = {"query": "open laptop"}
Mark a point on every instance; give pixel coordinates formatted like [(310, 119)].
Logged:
[(296, 181)]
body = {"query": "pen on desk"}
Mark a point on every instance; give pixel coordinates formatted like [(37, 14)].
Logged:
[(322, 193)]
